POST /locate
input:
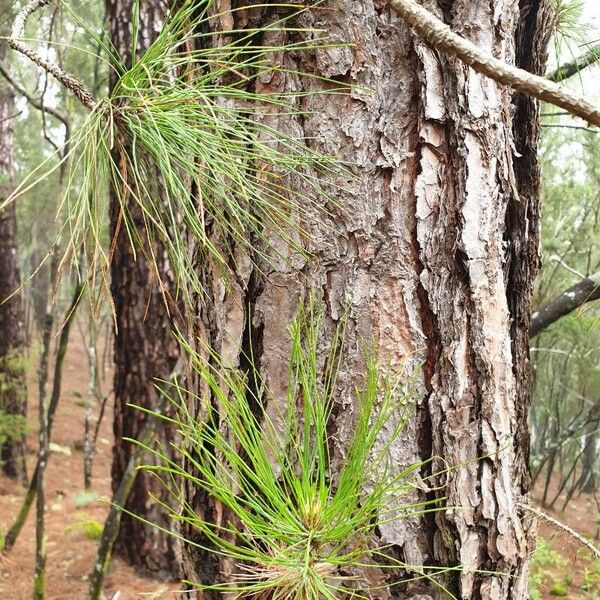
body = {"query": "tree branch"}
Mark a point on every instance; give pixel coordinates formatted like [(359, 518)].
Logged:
[(587, 290), (35, 102), (441, 37), (542, 515), (576, 65), (69, 81), (566, 126)]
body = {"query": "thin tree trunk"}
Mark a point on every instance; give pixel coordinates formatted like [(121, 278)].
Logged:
[(61, 351), (588, 481), (13, 391), (434, 245), (39, 584), (144, 348), (91, 396)]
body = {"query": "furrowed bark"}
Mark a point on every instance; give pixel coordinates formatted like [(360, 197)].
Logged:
[(522, 222), (144, 348), (586, 290), (417, 244)]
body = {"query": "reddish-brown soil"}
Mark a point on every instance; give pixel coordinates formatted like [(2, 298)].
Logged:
[(70, 553), (581, 514)]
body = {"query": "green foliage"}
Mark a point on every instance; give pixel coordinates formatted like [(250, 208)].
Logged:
[(295, 519), (90, 528), (560, 588), (591, 578), (12, 427), (12, 366), (187, 140), (571, 30), (544, 564), (83, 499), (93, 530), (552, 573)]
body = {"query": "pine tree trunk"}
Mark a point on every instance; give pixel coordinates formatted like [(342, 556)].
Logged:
[(144, 347), (434, 243), (13, 393)]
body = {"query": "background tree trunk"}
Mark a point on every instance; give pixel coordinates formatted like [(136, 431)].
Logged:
[(144, 347), (434, 244), (588, 480), (13, 392)]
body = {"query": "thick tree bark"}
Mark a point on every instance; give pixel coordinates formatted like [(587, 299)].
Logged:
[(13, 392), (586, 290), (434, 245), (522, 223), (144, 346)]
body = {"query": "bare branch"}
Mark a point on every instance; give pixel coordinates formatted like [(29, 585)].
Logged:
[(587, 290), (69, 81), (542, 515), (440, 36), (11, 117), (576, 65), (35, 102), (566, 126)]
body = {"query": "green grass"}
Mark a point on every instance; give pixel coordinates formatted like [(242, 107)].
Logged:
[(552, 573), (90, 528), (297, 518)]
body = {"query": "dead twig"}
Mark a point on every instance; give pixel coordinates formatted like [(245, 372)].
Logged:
[(577, 536), (68, 80), (437, 34)]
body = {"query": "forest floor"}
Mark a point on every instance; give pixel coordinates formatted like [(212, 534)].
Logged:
[(70, 512), (560, 565)]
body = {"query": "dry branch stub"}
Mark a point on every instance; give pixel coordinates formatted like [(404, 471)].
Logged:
[(441, 37), (68, 80)]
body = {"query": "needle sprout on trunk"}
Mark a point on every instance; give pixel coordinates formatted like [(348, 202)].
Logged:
[(296, 521)]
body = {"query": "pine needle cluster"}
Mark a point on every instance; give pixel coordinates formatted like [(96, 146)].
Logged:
[(185, 144), (296, 520)]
